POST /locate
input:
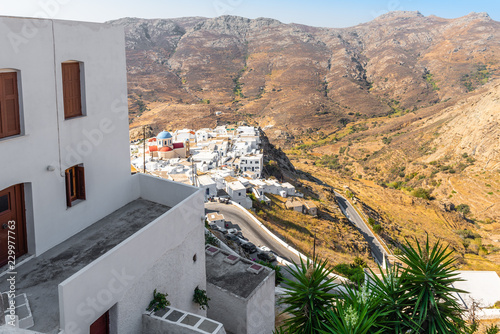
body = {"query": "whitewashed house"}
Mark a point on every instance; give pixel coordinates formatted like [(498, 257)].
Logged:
[(241, 293), (201, 136), (251, 163), (238, 193), (208, 185), (216, 218), (288, 189), (92, 241), (185, 135)]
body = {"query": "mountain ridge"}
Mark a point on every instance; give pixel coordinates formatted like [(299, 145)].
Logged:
[(294, 76)]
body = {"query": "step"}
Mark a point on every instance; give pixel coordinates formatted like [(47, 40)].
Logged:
[(23, 317)]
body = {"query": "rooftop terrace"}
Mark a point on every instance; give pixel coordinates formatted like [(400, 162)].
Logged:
[(39, 278), (234, 274)]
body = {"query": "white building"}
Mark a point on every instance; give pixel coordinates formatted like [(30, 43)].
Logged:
[(208, 185), (288, 189), (241, 293), (238, 193), (95, 240), (217, 219), (251, 163), (201, 136), (185, 135)]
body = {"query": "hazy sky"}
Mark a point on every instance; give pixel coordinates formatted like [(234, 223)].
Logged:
[(324, 13)]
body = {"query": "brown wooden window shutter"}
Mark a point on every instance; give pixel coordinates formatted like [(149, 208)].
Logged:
[(72, 93), (10, 123), (75, 184), (68, 188), (80, 182)]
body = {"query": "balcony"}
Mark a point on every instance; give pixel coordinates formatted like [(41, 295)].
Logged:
[(101, 263)]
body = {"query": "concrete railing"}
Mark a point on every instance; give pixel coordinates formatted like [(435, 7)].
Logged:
[(162, 191)]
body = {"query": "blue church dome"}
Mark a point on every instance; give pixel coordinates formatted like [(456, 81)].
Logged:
[(164, 135)]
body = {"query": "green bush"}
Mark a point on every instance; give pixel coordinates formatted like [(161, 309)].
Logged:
[(421, 193), (159, 301), (200, 298), (464, 208), (211, 240), (353, 272), (377, 228)]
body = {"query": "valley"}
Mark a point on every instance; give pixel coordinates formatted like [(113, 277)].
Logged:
[(403, 110)]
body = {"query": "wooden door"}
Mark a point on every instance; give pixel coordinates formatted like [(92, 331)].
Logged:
[(12, 224), (101, 325)]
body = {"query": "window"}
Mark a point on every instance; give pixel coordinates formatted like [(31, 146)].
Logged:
[(75, 184), (10, 124), (72, 90)]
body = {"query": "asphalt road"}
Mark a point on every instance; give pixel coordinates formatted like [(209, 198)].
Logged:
[(253, 232), (353, 216)]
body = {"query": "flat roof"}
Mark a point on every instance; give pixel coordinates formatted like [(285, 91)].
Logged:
[(236, 185), (483, 287), (39, 277), (234, 278), (311, 204), (215, 216), (205, 180)]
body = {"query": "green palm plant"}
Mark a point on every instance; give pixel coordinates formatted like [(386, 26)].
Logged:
[(415, 298), (427, 281), (309, 297), (355, 312), (392, 298)]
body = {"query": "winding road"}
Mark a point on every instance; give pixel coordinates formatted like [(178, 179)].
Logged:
[(250, 229), (350, 212)]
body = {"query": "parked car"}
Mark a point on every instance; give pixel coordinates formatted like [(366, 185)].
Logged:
[(233, 238), (264, 248), (240, 235), (267, 249), (237, 233), (266, 256), (216, 227), (249, 247)]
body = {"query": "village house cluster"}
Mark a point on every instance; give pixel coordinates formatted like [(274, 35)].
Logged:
[(227, 162)]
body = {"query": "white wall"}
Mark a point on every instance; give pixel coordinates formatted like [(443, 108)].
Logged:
[(261, 308), (88, 140), (228, 309), (159, 256), (254, 315)]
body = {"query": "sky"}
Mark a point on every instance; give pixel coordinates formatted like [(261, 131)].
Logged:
[(319, 13)]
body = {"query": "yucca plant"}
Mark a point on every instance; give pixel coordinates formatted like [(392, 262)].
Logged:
[(355, 312), (392, 299), (418, 297), (309, 297), (427, 281)]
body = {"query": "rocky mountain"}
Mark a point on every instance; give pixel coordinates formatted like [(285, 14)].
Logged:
[(296, 77), (403, 110)]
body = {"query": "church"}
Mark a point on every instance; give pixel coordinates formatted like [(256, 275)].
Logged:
[(163, 148)]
